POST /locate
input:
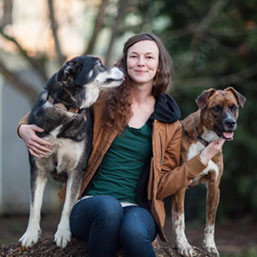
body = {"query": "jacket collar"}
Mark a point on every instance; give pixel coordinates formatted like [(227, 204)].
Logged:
[(166, 109)]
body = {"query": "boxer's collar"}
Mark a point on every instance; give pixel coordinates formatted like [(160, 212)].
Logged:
[(200, 139)]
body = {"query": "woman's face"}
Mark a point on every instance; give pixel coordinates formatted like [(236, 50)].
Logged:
[(143, 61)]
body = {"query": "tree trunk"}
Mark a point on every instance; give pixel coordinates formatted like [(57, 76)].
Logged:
[(36, 64), (98, 25), (7, 13), (123, 5), (60, 57)]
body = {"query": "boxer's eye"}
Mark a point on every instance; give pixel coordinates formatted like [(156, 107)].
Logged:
[(216, 108), (233, 108)]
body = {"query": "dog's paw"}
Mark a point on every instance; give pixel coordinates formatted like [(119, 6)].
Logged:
[(68, 71), (186, 250), (62, 237), (211, 249), (209, 242), (30, 237)]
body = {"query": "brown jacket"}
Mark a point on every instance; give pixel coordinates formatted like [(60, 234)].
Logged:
[(166, 175)]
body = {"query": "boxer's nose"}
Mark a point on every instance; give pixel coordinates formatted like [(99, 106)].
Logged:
[(230, 123)]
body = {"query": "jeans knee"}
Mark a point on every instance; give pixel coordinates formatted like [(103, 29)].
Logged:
[(109, 210), (109, 207), (136, 242), (100, 212), (137, 228), (133, 234)]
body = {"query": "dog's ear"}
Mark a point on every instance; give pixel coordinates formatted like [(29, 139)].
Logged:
[(69, 70), (201, 100), (239, 97)]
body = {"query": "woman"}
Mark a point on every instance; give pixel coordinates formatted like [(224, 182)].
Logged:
[(134, 164)]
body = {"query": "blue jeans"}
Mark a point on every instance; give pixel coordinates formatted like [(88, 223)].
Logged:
[(107, 226)]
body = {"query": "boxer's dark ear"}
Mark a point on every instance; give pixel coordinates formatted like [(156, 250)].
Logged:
[(201, 100), (239, 97)]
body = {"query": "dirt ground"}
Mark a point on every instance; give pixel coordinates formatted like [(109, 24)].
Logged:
[(231, 238)]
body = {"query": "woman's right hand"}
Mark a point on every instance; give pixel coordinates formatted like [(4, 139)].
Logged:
[(211, 150), (37, 146)]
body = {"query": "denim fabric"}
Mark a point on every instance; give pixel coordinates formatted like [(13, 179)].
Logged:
[(107, 226)]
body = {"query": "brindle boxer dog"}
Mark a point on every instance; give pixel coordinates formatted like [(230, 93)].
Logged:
[(216, 118)]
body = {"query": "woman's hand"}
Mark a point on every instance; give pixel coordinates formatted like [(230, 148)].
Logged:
[(37, 146), (211, 150)]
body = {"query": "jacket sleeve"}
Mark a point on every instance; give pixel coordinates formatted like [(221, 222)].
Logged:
[(174, 175), (23, 120)]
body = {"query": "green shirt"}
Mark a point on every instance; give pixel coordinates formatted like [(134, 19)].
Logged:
[(119, 171)]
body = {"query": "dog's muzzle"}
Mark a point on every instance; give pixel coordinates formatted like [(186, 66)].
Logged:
[(227, 129)]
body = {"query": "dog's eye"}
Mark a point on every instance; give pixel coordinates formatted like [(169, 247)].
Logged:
[(233, 108), (216, 108), (100, 66)]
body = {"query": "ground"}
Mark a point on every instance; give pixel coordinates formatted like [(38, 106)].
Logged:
[(231, 238), (76, 248)]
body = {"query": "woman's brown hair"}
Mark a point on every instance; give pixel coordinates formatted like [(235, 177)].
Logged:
[(118, 101)]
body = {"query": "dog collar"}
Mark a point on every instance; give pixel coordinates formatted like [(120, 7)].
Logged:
[(200, 139), (52, 101), (74, 110), (203, 141)]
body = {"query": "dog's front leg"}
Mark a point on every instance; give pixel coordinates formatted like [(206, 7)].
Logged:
[(32, 234), (178, 220), (212, 201), (63, 233)]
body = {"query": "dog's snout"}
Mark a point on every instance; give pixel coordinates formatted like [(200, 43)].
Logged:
[(230, 123), (117, 72)]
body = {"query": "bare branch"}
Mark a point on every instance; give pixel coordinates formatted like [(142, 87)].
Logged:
[(200, 29), (60, 57), (39, 68), (210, 17), (18, 84), (241, 76), (233, 78)]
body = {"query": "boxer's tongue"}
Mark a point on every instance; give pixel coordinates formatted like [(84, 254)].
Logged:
[(228, 135)]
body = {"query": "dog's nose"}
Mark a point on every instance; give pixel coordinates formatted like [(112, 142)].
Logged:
[(230, 123)]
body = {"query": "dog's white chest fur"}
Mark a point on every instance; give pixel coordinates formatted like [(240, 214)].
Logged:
[(68, 152), (197, 148)]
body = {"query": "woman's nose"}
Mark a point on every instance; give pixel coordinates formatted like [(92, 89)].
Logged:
[(141, 61)]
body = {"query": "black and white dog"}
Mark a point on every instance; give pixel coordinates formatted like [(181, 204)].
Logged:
[(62, 110)]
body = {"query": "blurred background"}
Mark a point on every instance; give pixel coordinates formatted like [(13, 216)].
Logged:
[(212, 43)]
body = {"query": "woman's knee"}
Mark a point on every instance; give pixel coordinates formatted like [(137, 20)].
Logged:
[(137, 227), (107, 213), (97, 205), (136, 238), (108, 208), (132, 234), (98, 211)]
